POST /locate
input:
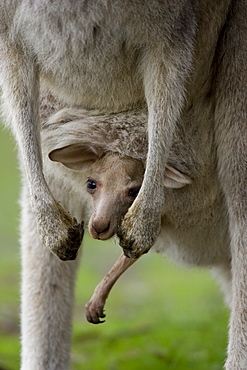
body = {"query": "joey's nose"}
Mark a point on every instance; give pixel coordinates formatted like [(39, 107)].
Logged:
[(100, 229)]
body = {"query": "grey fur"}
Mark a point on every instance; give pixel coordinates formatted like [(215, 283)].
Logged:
[(185, 61), (195, 227), (95, 55)]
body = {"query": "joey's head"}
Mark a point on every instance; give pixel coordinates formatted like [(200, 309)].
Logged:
[(114, 182)]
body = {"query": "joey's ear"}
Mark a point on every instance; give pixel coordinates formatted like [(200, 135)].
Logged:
[(175, 179), (76, 156)]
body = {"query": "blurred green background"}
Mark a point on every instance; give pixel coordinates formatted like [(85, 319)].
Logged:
[(158, 316)]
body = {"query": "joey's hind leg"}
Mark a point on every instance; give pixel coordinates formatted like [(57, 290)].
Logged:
[(47, 301), (95, 307)]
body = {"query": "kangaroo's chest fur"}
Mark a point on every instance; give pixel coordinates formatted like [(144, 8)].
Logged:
[(93, 54), (90, 55)]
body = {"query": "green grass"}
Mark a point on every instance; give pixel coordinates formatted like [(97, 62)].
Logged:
[(158, 316)]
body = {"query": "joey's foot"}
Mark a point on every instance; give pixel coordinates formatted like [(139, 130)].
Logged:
[(95, 311), (138, 231), (59, 232), (95, 307)]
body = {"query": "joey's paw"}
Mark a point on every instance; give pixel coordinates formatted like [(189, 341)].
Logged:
[(95, 312), (138, 232)]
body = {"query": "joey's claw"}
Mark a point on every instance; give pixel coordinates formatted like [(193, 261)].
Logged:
[(95, 307), (93, 318), (94, 314)]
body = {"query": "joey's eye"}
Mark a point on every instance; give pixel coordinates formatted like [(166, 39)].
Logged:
[(133, 192), (91, 185)]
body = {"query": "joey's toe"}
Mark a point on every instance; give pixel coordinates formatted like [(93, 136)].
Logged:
[(94, 313)]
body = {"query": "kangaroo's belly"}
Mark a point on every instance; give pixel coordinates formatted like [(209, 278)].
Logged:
[(194, 236)]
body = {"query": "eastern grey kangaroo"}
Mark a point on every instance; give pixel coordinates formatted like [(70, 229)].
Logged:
[(183, 60)]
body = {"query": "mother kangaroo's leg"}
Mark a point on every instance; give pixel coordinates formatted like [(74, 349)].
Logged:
[(19, 80), (166, 65), (46, 302), (231, 139)]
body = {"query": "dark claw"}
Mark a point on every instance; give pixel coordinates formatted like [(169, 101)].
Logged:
[(127, 245), (124, 243), (81, 229), (73, 243), (94, 316), (130, 254), (100, 312)]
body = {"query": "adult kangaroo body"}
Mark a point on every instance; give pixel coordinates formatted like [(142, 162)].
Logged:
[(96, 55), (114, 56)]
